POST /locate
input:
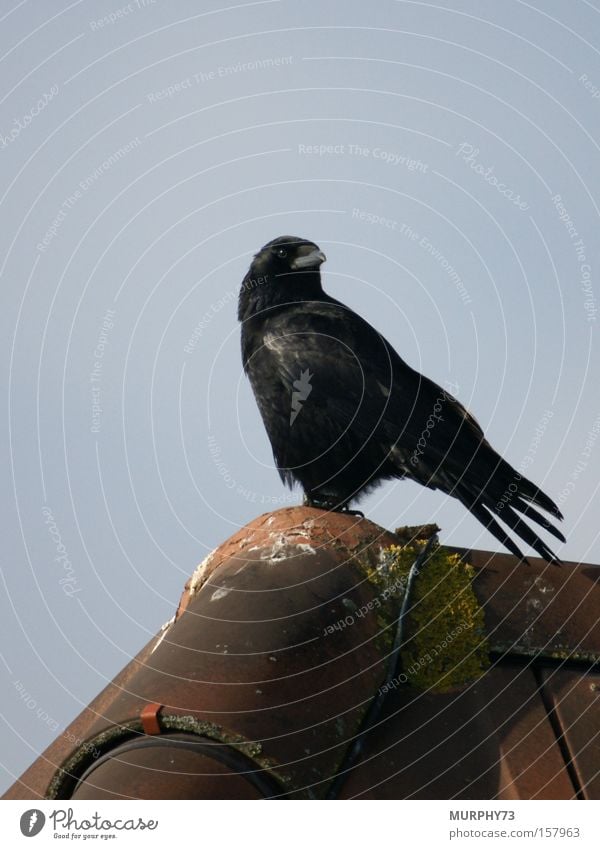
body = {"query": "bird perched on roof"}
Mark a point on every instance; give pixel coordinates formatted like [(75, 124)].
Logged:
[(344, 412)]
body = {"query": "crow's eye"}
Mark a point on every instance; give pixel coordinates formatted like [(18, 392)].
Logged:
[(282, 253)]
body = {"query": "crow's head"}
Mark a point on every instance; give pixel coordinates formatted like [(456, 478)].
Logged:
[(288, 254), (285, 269)]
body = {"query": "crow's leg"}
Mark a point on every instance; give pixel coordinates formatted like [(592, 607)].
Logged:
[(310, 500)]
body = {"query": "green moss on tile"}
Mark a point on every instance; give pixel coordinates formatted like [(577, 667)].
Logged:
[(445, 643)]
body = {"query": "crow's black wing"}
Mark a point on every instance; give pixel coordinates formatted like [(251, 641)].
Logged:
[(363, 392), (314, 385)]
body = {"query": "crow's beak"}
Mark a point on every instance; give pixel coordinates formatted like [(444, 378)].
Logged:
[(308, 257)]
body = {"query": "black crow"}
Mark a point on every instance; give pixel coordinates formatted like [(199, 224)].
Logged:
[(343, 411)]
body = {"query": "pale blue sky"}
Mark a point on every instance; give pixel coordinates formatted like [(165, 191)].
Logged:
[(146, 151)]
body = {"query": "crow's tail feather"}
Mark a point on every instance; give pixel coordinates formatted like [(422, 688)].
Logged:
[(483, 515), (490, 504), (527, 510), (514, 521), (528, 491)]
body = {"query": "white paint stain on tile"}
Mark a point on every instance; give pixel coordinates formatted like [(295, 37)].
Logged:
[(163, 633), (199, 575)]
